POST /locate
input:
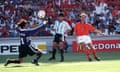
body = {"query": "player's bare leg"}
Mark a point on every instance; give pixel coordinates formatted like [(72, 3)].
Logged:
[(61, 46), (86, 51), (94, 52), (16, 61), (65, 47), (53, 51)]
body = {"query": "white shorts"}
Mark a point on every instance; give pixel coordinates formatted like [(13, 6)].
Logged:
[(84, 39)]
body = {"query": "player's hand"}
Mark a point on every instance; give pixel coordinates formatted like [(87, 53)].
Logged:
[(65, 32), (68, 31), (103, 34), (21, 20), (74, 34)]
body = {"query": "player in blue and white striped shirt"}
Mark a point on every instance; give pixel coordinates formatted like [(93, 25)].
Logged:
[(61, 29)]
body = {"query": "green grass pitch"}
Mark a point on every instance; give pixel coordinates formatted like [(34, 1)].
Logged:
[(74, 62)]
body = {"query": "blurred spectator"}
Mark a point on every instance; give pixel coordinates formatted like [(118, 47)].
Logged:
[(117, 26), (100, 13), (111, 27), (98, 8)]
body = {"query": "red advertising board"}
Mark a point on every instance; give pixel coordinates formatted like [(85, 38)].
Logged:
[(100, 45)]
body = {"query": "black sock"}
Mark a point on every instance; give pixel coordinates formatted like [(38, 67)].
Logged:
[(53, 53), (38, 56), (62, 54), (14, 61)]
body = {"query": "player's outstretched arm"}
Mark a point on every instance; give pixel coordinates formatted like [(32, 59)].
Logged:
[(99, 32), (30, 30)]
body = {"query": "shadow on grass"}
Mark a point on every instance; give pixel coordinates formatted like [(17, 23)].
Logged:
[(16, 66)]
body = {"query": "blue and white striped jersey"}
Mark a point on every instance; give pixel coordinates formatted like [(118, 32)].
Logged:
[(61, 27)]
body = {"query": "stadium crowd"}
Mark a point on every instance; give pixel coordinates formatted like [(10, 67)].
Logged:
[(103, 14)]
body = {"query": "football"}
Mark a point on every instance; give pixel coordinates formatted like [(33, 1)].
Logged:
[(41, 13)]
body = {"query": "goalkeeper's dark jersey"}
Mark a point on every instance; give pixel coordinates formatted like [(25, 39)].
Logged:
[(26, 33)]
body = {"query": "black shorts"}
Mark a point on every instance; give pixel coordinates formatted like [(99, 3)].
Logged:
[(25, 50), (58, 38)]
